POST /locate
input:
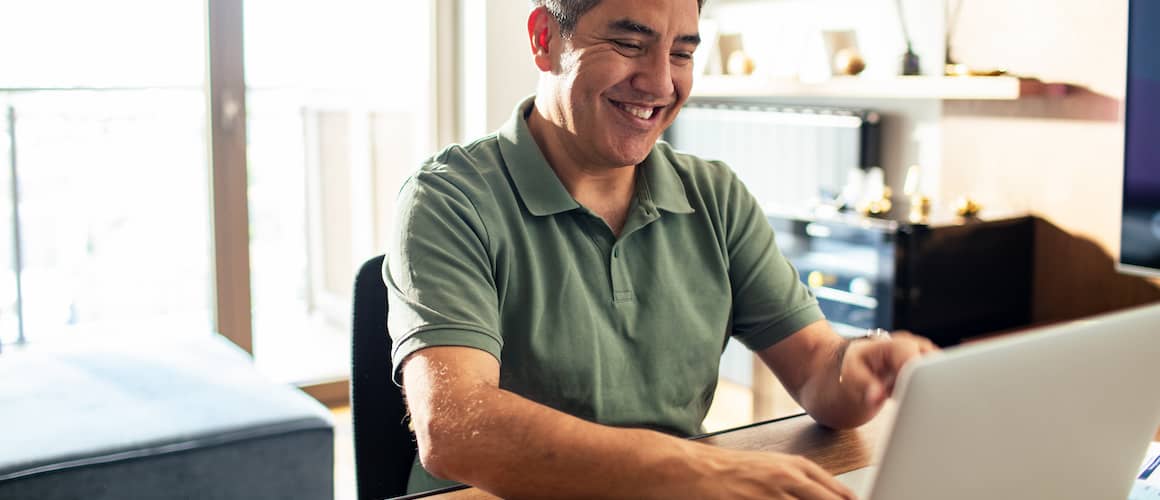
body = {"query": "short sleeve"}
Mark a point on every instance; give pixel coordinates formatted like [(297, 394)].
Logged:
[(770, 302), (441, 289)]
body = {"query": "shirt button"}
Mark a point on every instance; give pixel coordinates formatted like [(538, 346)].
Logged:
[(615, 253)]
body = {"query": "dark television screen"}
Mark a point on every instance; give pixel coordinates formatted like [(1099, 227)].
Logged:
[(1140, 230)]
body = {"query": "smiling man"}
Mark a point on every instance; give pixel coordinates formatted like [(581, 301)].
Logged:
[(561, 290)]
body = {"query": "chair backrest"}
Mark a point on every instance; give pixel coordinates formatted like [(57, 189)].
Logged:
[(384, 446)]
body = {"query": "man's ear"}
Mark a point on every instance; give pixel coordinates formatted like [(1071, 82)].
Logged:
[(540, 25)]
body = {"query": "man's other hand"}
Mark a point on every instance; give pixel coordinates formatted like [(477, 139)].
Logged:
[(871, 366)]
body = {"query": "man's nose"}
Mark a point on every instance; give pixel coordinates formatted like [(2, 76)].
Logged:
[(654, 75)]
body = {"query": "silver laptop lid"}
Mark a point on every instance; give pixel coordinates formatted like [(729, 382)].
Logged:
[(1062, 412)]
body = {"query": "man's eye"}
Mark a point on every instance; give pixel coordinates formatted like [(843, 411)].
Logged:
[(626, 45), (683, 55)]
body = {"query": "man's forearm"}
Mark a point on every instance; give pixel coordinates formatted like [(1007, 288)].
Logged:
[(471, 431), (513, 448)]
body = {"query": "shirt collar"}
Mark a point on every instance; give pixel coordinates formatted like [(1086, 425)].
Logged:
[(663, 188), (536, 182), (543, 193)]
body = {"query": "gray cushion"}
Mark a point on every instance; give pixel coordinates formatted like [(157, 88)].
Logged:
[(183, 416)]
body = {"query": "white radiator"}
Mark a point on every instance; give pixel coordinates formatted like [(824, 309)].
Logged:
[(788, 157)]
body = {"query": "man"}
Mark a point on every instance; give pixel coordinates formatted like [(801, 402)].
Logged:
[(561, 290)]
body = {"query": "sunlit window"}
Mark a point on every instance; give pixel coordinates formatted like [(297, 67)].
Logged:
[(107, 107), (339, 110)]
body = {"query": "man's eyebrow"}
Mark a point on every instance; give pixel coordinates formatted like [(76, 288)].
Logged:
[(626, 25), (629, 26), (693, 39)]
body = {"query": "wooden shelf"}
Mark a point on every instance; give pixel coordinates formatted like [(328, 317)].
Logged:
[(988, 88)]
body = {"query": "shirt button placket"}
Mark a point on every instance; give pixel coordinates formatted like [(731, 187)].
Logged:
[(621, 286)]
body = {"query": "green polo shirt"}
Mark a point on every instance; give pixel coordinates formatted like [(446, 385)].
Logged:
[(491, 252)]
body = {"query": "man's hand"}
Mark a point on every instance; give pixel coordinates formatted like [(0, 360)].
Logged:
[(870, 367), (841, 383), (748, 474)]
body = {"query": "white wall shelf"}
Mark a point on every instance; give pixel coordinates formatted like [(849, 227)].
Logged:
[(902, 87)]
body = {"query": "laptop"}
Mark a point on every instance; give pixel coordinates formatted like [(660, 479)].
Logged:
[(1061, 412)]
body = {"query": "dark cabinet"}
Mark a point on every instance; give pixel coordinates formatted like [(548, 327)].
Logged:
[(945, 281)]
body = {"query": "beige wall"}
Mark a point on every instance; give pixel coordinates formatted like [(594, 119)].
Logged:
[(514, 74), (497, 68), (1058, 158)]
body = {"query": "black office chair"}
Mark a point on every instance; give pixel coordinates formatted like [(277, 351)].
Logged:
[(384, 446)]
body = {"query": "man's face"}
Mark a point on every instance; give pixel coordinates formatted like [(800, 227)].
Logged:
[(622, 77)]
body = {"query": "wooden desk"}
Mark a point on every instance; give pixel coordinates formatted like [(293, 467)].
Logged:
[(835, 451)]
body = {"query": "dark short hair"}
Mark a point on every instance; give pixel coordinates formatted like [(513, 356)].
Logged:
[(568, 12)]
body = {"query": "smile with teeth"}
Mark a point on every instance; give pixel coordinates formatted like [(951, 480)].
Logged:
[(642, 112)]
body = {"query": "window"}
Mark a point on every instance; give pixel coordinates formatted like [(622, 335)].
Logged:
[(107, 115), (113, 166), (339, 114)]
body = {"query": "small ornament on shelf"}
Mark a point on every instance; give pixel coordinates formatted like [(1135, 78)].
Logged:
[(911, 65), (953, 68), (739, 64), (876, 208), (849, 62), (920, 207), (920, 204), (845, 58), (967, 207), (875, 194)]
